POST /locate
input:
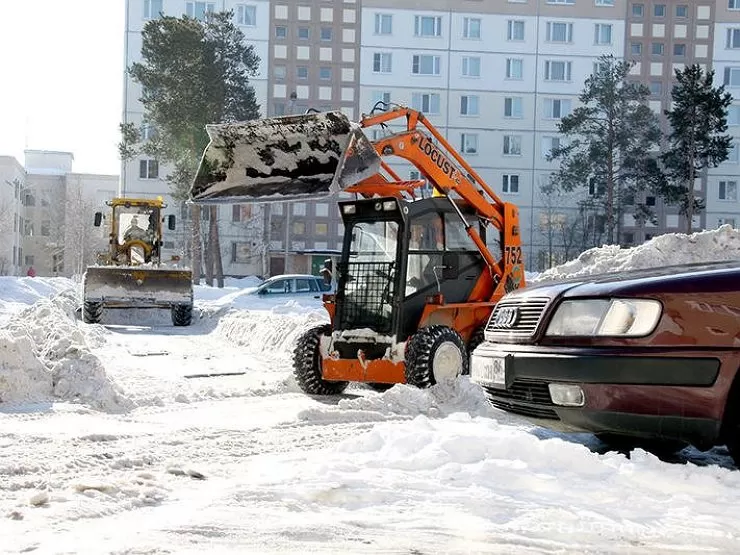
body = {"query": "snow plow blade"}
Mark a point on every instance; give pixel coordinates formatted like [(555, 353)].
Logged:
[(283, 159), (137, 287)]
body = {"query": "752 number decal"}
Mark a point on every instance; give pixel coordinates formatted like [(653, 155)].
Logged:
[(513, 255)]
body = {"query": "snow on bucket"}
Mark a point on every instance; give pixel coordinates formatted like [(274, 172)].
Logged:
[(283, 159)]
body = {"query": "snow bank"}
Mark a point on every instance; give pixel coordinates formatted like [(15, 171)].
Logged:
[(17, 293), (665, 250), (46, 356)]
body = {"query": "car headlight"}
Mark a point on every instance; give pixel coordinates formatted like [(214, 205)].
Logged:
[(605, 317)]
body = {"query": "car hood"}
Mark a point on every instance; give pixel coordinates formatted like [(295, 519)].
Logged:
[(716, 276)]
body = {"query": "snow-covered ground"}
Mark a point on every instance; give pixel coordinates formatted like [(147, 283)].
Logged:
[(138, 437)]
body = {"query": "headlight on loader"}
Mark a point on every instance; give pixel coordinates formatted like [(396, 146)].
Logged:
[(605, 318)]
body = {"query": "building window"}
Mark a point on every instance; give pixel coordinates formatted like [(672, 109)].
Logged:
[(733, 115), (148, 131), (636, 48), (657, 48), (515, 30), (198, 10), (728, 190), (510, 184), (382, 62), (683, 11), (299, 208), (733, 38), (471, 28), (566, 2), (656, 88), (427, 26), (304, 33), (279, 72), (557, 71), (726, 221), (281, 32), (45, 228), (321, 228), (556, 108), (469, 143), (469, 105), (425, 102), (325, 73), (470, 66), (512, 145), (28, 228), (604, 2), (602, 33), (381, 96), (679, 50), (549, 144), (326, 33), (659, 10), (299, 228), (148, 169), (383, 24), (559, 32), (278, 109), (301, 72), (732, 76), (733, 4), (514, 68), (732, 155), (638, 10), (29, 260), (513, 107), (152, 9), (424, 64), (246, 15)]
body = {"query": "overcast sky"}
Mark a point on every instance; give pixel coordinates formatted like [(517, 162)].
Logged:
[(61, 79)]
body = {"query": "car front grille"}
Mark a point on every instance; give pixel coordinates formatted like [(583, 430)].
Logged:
[(516, 317), (525, 397)]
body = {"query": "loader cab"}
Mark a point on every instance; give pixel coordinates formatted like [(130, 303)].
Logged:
[(399, 253), (136, 232)]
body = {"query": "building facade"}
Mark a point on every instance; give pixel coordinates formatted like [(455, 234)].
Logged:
[(494, 77)]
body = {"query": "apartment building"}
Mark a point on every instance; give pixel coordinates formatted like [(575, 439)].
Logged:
[(12, 183), (493, 77)]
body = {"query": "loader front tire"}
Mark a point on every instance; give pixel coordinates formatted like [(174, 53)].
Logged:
[(307, 364), (92, 312), (435, 354), (182, 314)]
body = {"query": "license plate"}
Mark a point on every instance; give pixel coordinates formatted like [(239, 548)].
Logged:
[(489, 371)]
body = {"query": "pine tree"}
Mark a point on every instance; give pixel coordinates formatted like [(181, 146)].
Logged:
[(698, 120), (192, 73), (609, 140)]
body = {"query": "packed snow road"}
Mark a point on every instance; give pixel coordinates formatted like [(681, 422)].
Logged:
[(143, 438)]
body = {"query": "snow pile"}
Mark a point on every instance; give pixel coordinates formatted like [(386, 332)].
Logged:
[(45, 355), (17, 294), (406, 402), (664, 250)]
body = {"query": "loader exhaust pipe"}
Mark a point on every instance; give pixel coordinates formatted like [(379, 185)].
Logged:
[(283, 159)]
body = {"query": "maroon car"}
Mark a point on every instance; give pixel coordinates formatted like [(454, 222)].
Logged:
[(649, 355)]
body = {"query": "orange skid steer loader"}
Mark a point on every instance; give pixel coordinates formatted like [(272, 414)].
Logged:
[(417, 278)]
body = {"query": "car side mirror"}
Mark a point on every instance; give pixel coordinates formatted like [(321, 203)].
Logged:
[(171, 221), (98, 219), (450, 265)]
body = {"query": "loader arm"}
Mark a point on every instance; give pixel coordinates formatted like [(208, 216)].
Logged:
[(448, 172)]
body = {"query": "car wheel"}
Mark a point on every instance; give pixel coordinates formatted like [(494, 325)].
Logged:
[(92, 312), (435, 354), (307, 364), (182, 314)]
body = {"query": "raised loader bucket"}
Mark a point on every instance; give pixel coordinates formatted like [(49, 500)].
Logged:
[(283, 159)]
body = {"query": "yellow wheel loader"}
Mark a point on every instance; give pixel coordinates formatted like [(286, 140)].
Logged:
[(131, 273)]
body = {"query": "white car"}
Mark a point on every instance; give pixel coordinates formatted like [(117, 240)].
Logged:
[(293, 285)]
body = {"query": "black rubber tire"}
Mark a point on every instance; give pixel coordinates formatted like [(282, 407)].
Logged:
[(420, 354), (625, 444), (92, 312), (476, 339), (182, 314), (307, 364), (381, 387)]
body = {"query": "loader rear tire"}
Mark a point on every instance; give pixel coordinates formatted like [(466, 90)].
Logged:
[(92, 312), (307, 364), (434, 354), (182, 314)]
